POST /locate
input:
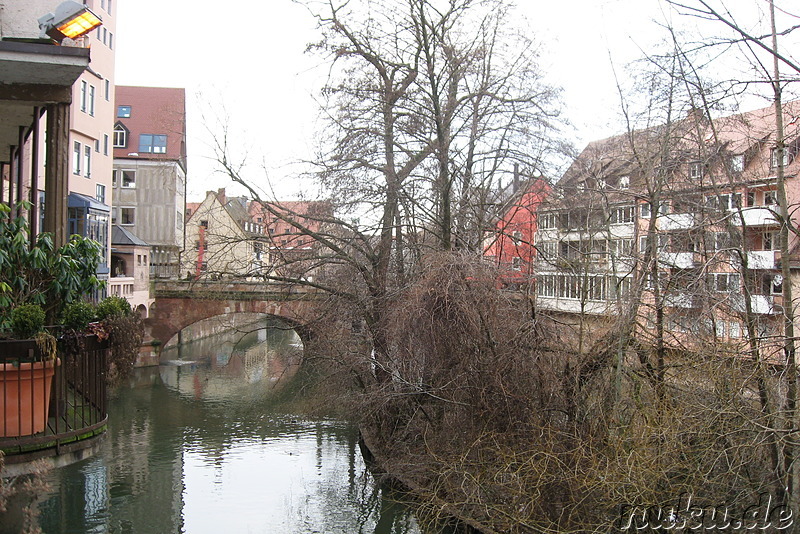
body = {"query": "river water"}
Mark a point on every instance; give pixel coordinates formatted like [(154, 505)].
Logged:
[(196, 446)]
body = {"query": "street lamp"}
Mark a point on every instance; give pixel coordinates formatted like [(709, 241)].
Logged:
[(70, 19)]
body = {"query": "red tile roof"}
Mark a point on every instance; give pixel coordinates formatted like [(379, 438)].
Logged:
[(156, 111)]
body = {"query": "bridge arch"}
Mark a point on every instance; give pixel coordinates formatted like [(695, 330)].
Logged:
[(181, 304)]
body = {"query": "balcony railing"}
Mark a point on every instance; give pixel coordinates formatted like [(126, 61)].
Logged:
[(50, 407), (677, 221)]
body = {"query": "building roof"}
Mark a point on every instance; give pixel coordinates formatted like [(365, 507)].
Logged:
[(121, 236), (154, 111), (664, 147)]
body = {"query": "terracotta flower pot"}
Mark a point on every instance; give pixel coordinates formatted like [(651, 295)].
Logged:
[(25, 397)]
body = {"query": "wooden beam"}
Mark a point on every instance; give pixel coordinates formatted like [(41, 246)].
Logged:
[(56, 173), (42, 94)]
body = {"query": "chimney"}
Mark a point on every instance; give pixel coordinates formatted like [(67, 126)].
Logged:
[(221, 196), (515, 187)]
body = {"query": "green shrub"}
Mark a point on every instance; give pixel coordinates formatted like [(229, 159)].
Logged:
[(113, 307), (27, 320), (77, 315)]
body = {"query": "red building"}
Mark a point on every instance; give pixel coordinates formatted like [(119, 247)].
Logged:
[(512, 245)]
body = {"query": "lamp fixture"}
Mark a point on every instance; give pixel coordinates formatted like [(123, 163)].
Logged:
[(70, 19)]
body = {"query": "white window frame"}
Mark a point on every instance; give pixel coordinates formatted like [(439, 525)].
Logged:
[(624, 182), (87, 161), (120, 136), (91, 100), (737, 163), (83, 89), (695, 169), (77, 157), (121, 174)]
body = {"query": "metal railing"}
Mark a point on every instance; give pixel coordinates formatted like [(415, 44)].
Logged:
[(47, 404)]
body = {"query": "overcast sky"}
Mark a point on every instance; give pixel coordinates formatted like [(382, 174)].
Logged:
[(252, 68)]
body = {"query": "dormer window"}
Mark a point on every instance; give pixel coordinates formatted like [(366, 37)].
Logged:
[(696, 170), (773, 157), (624, 182), (737, 163), (120, 136)]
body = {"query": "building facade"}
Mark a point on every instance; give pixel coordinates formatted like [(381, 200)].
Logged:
[(676, 227), (512, 244), (88, 155), (149, 171)]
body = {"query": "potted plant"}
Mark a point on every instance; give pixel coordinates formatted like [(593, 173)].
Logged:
[(26, 373), (36, 282)]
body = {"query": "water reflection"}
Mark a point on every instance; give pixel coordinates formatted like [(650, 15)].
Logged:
[(194, 446)]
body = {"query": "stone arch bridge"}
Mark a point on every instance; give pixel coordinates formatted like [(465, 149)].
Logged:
[(179, 304)]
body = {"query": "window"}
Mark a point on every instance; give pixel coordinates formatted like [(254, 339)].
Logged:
[(548, 250), (726, 202), (108, 90), (76, 158), (153, 144), (126, 178), (773, 157), (645, 210), (123, 112), (127, 216), (770, 241), (720, 241), (770, 198), (624, 182), (723, 282), (84, 90), (696, 169), (91, 100), (548, 220), (516, 263), (204, 223), (87, 161), (737, 163), (776, 285), (100, 193), (97, 145), (111, 40), (105, 144), (120, 136), (178, 220), (601, 183), (735, 330), (516, 237), (622, 215), (719, 328)]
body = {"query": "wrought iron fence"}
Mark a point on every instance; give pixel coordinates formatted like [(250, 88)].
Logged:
[(46, 404)]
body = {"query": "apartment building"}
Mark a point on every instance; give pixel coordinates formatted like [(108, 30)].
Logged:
[(149, 171), (88, 120), (676, 223)]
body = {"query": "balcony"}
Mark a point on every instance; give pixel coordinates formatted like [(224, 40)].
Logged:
[(51, 410), (682, 300), (759, 304), (121, 286), (761, 259), (678, 260), (756, 217), (676, 221)]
